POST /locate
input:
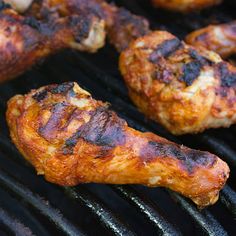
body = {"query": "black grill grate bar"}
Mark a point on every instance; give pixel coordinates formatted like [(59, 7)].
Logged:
[(39, 204), (93, 71), (13, 225), (148, 208), (106, 217), (228, 198), (205, 220)]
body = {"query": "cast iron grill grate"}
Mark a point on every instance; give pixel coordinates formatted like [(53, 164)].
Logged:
[(31, 206)]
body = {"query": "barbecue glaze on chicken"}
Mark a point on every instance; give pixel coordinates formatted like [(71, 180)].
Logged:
[(71, 138), (24, 40), (185, 89), (218, 38), (185, 5)]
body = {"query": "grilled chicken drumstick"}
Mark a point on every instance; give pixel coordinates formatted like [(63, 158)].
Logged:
[(71, 138), (218, 38), (185, 89), (25, 41), (185, 5), (122, 26)]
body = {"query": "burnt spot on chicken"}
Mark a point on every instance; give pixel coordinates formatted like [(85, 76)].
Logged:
[(104, 129), (40, 96), (85, 26), (165, 49), (61, 88), (65, 88), (190, 72), (228, 79), (188, 157)]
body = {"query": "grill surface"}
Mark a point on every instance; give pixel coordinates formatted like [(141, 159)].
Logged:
[(31, 206)]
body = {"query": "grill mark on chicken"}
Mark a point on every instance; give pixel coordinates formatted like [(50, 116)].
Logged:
[(58, 112), (103, 129), (228, 79), (165, 49), (40, 95), (191, 71), (189, 158), (64, 88), (196, 56), (61, 88)]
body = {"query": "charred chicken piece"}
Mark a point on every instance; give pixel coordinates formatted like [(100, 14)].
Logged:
[(185, 89), (218, 38), (25, 41), (122, 26), (185, 5), (71, 138)]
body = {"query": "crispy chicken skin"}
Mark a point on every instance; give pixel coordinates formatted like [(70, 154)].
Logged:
[(71, 138), (185, 5), (218, 38), (24, 40), (185, 89), (122, 26)]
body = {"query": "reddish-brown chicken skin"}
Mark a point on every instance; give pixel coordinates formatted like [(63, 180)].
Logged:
[(122, 26), (71, 138), (185, 5), (218, 38), (185, 89), (25, 40)]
